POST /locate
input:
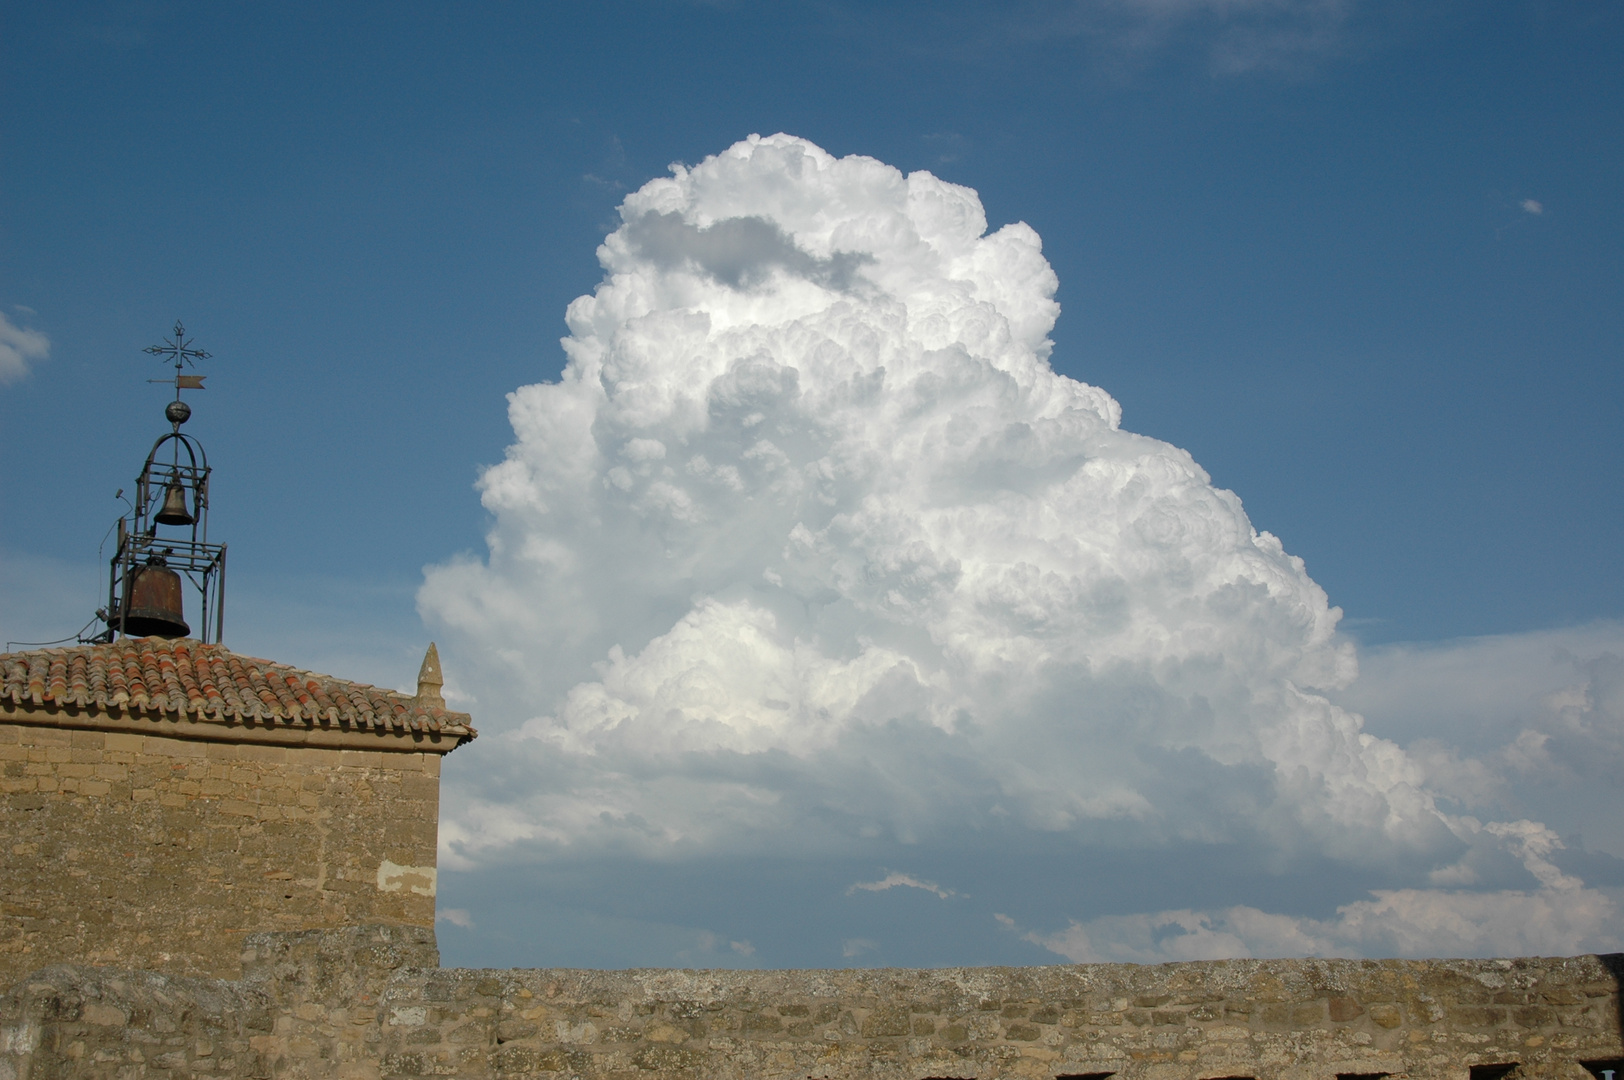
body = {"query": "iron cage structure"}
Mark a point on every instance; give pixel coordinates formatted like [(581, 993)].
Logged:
[(165, 539)]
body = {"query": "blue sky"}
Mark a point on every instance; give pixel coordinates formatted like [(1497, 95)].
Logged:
[(1362, 260)]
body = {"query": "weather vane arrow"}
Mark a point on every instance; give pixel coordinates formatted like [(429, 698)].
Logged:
[(178, 350)]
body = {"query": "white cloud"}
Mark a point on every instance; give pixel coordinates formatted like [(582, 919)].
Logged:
[(1524, 725), (810, 553), (894, 880), (1558, 917), (1533, 206), (855, 947), (19, 349), (1403, 922), (1528, 719), (456, 917), (711, 949)]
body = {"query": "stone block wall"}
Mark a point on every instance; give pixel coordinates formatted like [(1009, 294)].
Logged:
[(160, 852), (76, 1021), (1270, 1020), (367, 1002), (306, 1008)]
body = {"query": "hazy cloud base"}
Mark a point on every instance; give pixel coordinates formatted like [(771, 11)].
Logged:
[(810, 561)]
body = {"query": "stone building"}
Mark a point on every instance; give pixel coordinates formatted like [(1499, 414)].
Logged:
[(161, 799)]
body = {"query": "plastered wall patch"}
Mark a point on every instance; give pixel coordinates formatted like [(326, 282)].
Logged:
[(413, 879)]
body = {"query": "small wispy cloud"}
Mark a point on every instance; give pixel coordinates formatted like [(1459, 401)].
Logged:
[(743, 948), (20, 348), (857, 946), (1533, 206), (456, 917), (895, 880), (1238, 37), (948, 146)]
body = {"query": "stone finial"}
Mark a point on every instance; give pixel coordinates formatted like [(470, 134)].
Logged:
[(429, 679)]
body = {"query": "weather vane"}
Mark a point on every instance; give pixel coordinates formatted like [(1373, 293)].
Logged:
[(181, 352)]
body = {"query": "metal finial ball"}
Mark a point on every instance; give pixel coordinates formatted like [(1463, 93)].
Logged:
[(177, 412)]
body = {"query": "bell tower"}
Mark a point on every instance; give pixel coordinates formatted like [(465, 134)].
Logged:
[(162, 797), (163, 543)]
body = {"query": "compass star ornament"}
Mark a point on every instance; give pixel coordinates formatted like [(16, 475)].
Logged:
[(180, 351)]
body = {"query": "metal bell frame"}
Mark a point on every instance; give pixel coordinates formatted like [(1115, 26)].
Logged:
[(186, 550)]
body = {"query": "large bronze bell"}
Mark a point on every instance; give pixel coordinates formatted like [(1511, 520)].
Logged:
[(173, 511), (152, 606)]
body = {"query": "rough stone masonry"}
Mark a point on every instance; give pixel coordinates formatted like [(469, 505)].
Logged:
[(370, 1002), (223, 867), (159, 800)]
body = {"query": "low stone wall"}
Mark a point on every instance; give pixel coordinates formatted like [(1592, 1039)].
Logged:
[(1265, 1019), (368, 1002)]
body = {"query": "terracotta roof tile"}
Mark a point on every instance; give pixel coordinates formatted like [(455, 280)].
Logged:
[(210, 682)]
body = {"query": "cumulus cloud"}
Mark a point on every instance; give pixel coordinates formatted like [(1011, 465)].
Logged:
[(1524, 725), (1533, 206), (811, 554), (20, 348)]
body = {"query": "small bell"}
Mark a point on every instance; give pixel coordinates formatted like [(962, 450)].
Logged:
[(173, 511), (153, 605)]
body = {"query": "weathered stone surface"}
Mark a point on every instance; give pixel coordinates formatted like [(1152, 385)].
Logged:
[(162, 853), (368, 1002)]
